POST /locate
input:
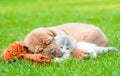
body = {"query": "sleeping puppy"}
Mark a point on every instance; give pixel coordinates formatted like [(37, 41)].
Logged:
[(38, 39)]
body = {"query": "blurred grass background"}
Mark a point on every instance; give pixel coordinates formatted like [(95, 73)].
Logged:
[(19, 17)]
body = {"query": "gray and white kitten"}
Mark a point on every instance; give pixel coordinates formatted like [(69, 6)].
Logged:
[(67, 44)]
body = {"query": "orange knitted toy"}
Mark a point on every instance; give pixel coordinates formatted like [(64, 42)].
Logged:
[(17, 51)]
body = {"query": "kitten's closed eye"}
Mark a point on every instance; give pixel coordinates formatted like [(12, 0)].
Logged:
[(61, 47), (67, 48)]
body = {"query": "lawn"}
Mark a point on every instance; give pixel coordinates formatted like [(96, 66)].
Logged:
[(19, 17)]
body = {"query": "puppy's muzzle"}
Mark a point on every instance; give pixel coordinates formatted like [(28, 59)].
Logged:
[(56, 53)]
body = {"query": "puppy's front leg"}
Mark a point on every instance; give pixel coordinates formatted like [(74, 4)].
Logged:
[(79, 54)]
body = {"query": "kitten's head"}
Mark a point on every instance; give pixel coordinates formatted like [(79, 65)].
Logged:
[(65, 43)]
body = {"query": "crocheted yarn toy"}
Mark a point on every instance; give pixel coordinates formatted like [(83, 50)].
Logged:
[(39, 58), (17, 51)]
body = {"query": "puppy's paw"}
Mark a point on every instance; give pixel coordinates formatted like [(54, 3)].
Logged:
[(84, 52)]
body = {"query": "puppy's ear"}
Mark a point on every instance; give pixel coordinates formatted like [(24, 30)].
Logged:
[(23, 44), (25, 47)]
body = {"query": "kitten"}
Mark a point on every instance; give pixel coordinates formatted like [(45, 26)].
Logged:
[(67, 44)]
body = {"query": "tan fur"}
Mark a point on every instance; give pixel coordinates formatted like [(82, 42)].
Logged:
[(85, 32), (78, 54), (38, 39)]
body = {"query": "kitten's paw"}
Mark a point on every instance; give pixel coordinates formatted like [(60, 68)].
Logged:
[(93, 55), (58, 60)]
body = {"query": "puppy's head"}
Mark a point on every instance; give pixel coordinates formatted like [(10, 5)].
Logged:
[(37, 40), (42, 41)]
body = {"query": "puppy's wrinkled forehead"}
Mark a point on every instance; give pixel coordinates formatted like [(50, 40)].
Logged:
[(37, 42)]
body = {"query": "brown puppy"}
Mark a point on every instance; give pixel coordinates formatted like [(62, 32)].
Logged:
[(38, 39)]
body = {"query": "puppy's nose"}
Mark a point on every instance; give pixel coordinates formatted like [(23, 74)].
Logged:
[(60, 54), (53, 51)]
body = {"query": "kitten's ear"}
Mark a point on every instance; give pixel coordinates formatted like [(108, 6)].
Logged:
[(75, 41), (57, 37)]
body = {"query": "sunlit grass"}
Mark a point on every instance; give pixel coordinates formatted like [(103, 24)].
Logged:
[(17, 18)]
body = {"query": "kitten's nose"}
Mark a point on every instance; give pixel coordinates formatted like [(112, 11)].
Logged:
[(63, 50)]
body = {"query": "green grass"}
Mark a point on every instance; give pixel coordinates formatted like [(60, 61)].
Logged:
[(19, 17)]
